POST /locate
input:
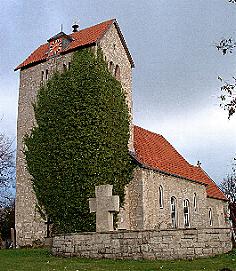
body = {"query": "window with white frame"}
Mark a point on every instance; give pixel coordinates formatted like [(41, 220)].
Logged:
[(161, 196), (210, 217), (173, 212), (195, 201), (186, 214)]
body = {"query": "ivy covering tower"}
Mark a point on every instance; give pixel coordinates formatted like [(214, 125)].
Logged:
[(80, 141)]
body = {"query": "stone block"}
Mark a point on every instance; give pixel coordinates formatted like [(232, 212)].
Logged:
[(186, 243), (155, 240), (207, 251), (164, 246), (167, 239), (106, 244), (144, 248), (118, 235), (101, 250), (117, 250), (156, 249), (166, 253), (108, 250), (67, 254), (149, 256), (130, 235), (190, 232), (69, 249), (190, 251)]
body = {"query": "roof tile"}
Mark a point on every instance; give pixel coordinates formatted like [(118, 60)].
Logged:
[(81, 38), (154, 151)]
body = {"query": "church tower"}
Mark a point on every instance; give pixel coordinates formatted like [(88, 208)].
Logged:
[(56, 55)]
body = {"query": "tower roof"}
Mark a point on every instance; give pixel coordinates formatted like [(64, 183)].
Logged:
[(85, 37), (153, 151)]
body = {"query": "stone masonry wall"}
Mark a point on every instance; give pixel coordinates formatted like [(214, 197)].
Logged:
[(179, 188), (219, 211), (114, 52), (29, 225), (133, 205), (164, 244), (146, 205)]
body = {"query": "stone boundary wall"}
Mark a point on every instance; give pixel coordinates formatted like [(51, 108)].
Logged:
[(163, 244)]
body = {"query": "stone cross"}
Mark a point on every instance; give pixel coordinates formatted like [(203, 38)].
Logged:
[(104, 205)]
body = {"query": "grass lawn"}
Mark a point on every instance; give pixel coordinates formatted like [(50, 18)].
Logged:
[(40, 259)]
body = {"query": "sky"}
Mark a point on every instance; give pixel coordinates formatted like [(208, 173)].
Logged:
[(175, 86)]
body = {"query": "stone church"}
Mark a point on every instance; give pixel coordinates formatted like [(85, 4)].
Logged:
[(166, 191)]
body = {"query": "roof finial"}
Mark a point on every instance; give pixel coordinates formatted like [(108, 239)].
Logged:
[(199, 163), (75, 26), (61, 27)]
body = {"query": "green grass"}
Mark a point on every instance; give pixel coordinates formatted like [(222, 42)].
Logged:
[(41, 259)]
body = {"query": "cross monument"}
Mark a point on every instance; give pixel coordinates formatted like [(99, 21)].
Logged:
[(104, 205)]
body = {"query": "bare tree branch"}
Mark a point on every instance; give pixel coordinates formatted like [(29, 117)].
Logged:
[(7, 170), (226, 45), (228, 96), (228, 186)]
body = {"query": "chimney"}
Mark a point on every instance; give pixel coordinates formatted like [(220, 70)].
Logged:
[(75, 27)]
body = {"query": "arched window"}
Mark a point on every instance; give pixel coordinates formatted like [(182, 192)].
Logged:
[(46, 75), (42, 75), (117, 72), (186, 214), (161, 196), (111, 67), (69, 65), (210, 217), (173, 212), (64, 67), (195, 201)]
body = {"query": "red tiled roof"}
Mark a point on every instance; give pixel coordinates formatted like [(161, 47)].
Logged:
[(81, 38), (154, 151)]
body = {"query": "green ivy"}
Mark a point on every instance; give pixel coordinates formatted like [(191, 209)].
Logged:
[(80, 141)]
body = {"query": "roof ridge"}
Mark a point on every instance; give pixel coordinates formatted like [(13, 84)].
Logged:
[(147, 130), (35, 58), (155, 152), (200, 168), (166, 142), (86, 28)]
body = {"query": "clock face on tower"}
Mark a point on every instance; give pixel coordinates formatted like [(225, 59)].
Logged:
[(55, 47)]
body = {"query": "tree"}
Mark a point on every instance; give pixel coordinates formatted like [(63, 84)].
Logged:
[(7, 220), (228, 89), (80, 141), (228, 186), (228, 102), (228, 96), (7, 168)]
